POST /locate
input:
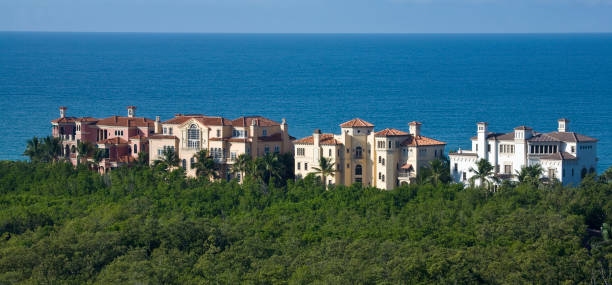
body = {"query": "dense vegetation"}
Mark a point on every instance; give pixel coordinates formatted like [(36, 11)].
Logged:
[(148, 225)]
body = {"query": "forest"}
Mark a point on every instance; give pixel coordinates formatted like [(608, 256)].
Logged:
[(152, 225)]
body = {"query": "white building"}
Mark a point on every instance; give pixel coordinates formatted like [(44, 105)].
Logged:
[(563, 155), (383, 159)]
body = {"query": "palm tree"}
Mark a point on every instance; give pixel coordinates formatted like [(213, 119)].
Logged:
[(483, 172), (84, 150), (143, 158), (243, 165), (34, 149), (325, 169), (439, 171), (205, 165), (530, 174), (267, 167), (168, 159), (52, 148)]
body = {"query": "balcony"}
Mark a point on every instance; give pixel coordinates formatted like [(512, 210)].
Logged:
[(404, 175)]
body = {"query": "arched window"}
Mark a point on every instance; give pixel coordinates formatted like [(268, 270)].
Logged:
[(358, 169), (135, 148), (193, 137), (192, 162), (383, 161), (583, 173), (184, 164), (358, 151), (383, 178)]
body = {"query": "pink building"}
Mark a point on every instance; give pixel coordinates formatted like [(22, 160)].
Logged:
[(121, 138)]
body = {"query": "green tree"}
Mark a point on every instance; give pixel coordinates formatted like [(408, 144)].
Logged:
[(52, 148), (34, 149), (84, 151), (439, 172), (606, 176), (143, 159), (168, 160), (243, 165), (531, 174), (205, 165), (268, 166), (325, 169), (484, 173)]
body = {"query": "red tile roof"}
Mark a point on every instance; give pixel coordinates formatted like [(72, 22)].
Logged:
[(161, 137), (86, 119), (406, 166), (126, 122), (65, 120), (138, 137), (115, 140), (421, 141), (391, 132), (248, 120), (324, 139), (205, 120), (356, 123)]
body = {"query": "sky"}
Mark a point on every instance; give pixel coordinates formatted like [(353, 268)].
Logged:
[(308, 16)]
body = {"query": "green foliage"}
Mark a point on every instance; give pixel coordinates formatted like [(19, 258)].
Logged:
[(46, 150), (484, 173), (325, 169), (205, 165), (63, 225)]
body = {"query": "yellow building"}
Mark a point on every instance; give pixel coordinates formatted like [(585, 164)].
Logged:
[(225, 139), (383, 159)]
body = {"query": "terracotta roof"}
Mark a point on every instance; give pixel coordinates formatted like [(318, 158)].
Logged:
[(115, 140), (571, 137), (248, 120), (205, 120), (138, 137), (271, 138), (498, 136), (325, 139), (64, 120), (161, 137), (406, 166), (559, 156), (126, 122), (356, 123), (391, 132), (86, 119), (421, 141), (523, 128)]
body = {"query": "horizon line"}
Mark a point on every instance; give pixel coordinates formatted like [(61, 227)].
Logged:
[(307, 33)]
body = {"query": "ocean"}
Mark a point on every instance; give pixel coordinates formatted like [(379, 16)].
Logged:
[(316, 81)]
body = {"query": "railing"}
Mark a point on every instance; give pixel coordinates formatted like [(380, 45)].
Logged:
[(404, 175)]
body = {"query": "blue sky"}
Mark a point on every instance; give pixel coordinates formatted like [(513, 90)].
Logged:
[(308, 16)]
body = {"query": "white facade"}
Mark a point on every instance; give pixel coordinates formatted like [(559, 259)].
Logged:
[(563, 155), (383, 159)]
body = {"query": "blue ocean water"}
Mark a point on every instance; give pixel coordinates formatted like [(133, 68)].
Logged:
[(448, 82)]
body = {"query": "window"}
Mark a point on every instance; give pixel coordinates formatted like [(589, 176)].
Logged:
[(383, 178), (170, 129), (381, 144), (184, 164), (488, 147), (298, 166), (455, 167), (218, 133), (583, 173), (379, 159), (264, 132), (233, 156), (305, 166), (266, 149), (276, 149), (379, 175), (300, 151), (358, 152), (390, 144), (135, 148), (552, 173), (330, 152), (464, 176), (573, 149), (193, 137), (572, 172), (192, 162), (383, 161), (508, 169), (358, 170), (476, 147)]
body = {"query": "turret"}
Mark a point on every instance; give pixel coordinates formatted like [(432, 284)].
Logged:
[(563, 125), (131, 111), (158, 125), (482, 150), (415, 128), (63, 111)]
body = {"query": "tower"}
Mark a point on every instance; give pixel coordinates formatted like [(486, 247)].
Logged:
[(563, 125), (482, 147), (131, 111), (63, 111)]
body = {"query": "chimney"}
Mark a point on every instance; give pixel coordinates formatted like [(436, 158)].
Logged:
[(316, 136), (482, 141), (62, 111), (415, 128), (131, 111), (158, 126), (563, 125)]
